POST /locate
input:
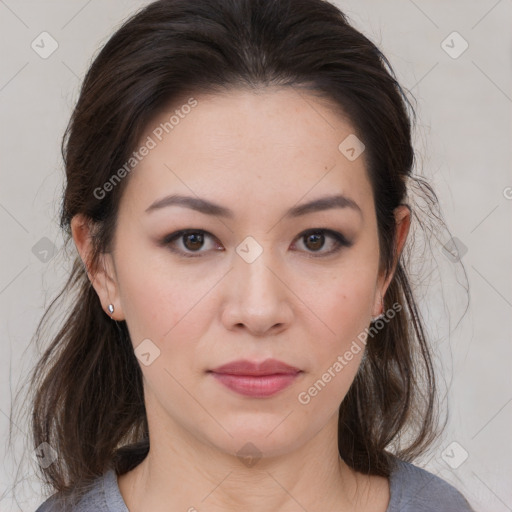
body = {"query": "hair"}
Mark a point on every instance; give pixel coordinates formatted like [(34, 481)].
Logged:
[(88, 399)]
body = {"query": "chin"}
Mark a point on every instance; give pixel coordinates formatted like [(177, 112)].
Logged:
[(250, 444)]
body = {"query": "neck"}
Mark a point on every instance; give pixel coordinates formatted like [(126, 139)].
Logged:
[(182, 473)]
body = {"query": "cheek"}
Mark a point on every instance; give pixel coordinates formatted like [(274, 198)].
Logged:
[(335, 357), (163, 310), (171, 310), (341, 300), (158, 296), (174, 310), (351, 302)]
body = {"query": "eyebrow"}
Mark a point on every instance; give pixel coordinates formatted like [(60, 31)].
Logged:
[(209, 208)]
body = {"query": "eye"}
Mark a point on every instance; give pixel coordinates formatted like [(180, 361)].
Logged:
[(193, 240), (314, 240)]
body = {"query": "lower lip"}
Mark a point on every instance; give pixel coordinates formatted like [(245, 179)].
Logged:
[(261, 386)]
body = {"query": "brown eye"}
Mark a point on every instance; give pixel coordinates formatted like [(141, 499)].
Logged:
[(193, 241), (315, 240), (189, 243)]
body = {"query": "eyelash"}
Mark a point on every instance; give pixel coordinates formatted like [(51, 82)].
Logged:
[(341, 241)]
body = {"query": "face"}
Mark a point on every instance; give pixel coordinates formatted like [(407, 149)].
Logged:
[(257, 276)]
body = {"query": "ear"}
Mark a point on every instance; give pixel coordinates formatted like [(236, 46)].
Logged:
[(103, 277), (402, 215)]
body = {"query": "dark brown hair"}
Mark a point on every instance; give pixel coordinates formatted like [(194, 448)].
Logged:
[(88, 399)]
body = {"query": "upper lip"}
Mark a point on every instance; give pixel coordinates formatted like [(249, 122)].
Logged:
[(246, 367)]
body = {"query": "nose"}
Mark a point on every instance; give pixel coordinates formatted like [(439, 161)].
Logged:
[(257, 298)]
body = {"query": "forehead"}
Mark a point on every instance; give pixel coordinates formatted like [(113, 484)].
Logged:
[(253, 146)]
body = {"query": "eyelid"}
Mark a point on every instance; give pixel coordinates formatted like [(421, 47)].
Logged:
[(331, 232), (176, 235), (339, 238)]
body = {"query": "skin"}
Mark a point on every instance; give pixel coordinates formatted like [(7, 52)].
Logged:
[(258, 153)]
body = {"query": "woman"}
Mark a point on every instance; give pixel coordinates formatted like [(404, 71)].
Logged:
[(244, 336)]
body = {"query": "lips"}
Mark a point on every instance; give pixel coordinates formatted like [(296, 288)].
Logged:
[(252, 368), (256, 380)]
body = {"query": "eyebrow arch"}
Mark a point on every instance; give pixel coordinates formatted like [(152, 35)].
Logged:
[(209, 208)]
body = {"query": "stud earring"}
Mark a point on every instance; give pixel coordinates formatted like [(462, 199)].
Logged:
[(111, 309)]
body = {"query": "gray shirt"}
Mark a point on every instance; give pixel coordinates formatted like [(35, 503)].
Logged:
[(412, 489)]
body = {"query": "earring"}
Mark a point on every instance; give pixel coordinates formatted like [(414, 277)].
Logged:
[(111, 309)]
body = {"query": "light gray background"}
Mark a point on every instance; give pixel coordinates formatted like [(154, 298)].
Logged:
[(463, 141)]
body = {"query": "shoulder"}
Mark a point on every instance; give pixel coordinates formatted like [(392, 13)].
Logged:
[(102, 495), (414, 489)]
